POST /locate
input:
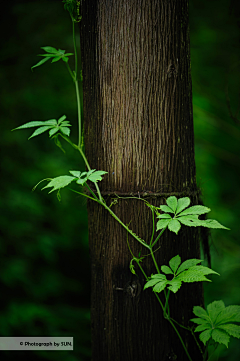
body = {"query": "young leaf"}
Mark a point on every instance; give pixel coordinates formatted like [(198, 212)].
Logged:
[(200, 312), (53, 131), (164, 216), (160, 286), (31, 125), (229, 314), (211, 223), (172, 203)]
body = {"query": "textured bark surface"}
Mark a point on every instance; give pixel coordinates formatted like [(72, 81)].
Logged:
[(139, 128)]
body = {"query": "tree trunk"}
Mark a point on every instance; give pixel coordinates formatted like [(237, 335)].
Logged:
[(138, 128)]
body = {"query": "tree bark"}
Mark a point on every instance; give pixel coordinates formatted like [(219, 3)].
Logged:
[(138, 128)]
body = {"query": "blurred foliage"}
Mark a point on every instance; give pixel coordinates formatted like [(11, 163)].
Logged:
[(44, 269)]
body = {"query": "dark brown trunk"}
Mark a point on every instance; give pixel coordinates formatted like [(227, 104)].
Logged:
[(138, 128)]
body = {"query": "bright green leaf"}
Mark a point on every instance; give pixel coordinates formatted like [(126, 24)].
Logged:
[(166, 270), (174, 263), (159, 287), (163, 223), (53, 131), (96, 176), (61, 119), (174, 226), (75, 173), (200, 321), (211, 223), (59, 182), (182, 204), (65, 59), (175, 284), (40, 130), (172, 203), (187, 264), (65, 130), (195, 210), (166, 209), (164, 216), (56, 58)]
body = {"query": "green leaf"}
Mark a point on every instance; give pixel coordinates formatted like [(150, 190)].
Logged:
[(40, 130), (163, 223), (229, 314), (174, 263), (30, 125), (49, 49), (61, 119), (59, 182), (65, 59), (53, 131), (195, 210), (231, 329), (166, 209), (205, 336), (96, 176), (211, 223), (166, 270), (190, 221), (214, 309), (196, 274), (200, 312), (175, 284), (200, 321), (65, 130), (220, 337), (203, 327), (56, 58), (41, 62), (182, 204), (76, 173), (159, 287), (154, 280), (172, 203), (174, 226), (164, 216), (187, 264)]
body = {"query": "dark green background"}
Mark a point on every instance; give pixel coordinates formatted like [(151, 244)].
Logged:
[(45, 267)]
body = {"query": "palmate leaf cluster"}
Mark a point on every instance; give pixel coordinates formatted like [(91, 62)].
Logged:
[(189, 271), (177, 212), (52, 125), (54, 54), (80, 177), (216, 322)]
